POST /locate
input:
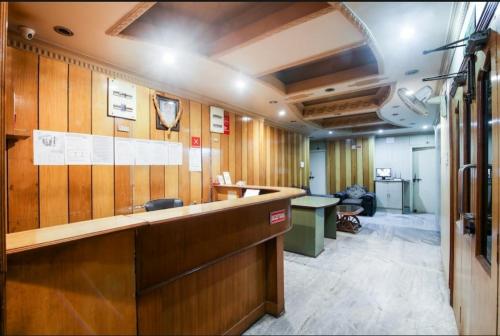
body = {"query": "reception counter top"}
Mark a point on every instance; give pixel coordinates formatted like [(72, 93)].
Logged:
[(52, 235), (212, 268)]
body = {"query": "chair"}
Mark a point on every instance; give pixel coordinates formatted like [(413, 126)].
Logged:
[(161, 204), (359, 195)]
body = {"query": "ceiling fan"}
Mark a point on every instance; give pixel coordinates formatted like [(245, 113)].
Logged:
[(416, 102)]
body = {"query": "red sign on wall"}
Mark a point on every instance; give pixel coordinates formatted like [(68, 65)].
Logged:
[(226, 124), (195, 142), (277, 216)]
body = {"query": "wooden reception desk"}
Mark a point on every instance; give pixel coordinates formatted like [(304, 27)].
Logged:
[(211, 268)]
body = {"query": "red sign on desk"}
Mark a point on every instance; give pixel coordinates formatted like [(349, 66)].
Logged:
[(277, 216), (195, 142)]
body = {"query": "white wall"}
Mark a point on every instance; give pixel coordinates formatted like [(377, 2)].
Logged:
[(395, 152)]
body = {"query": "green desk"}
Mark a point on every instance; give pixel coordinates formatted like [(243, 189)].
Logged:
[(313, 218)]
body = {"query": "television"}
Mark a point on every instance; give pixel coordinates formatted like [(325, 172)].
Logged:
[(383, 173)]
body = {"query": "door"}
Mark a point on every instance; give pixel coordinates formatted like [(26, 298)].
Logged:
[(317, 178), (475, 289), (424, 180)]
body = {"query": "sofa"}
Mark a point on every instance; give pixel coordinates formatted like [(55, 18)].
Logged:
[(359, 195)]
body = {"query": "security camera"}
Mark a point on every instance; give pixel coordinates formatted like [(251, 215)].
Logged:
[(27, 32)]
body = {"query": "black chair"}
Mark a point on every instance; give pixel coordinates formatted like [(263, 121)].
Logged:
[(368, 201), (161, 204)]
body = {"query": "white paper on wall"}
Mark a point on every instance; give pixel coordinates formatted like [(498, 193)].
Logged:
[(102, 150), (48, 148), (195, 159), (159, 151), (143, 152), (78, 149), (175, 153), (124, 152)]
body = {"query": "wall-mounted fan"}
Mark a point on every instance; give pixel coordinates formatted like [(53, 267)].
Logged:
[(416, 101)]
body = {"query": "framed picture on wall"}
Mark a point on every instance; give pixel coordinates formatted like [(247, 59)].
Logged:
[(169, 108)]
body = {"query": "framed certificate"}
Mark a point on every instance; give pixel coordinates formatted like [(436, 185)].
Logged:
[(169, 108)]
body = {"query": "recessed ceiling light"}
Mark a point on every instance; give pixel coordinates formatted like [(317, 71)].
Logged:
[(65, 31), (240, 84), (330, 132), (169, 57), (411, 72), (409, 92), (245, 119), (329, 89), (273, 102), (425, 127), (407, 32), (395, 114), (281, 113), (380, 131)]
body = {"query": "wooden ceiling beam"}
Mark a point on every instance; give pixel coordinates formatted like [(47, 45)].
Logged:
[(340, 110), (353, 121), (267, 25)]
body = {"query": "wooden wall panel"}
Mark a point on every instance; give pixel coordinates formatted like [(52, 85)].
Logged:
[(53, 115), (140, 174), (195, 130), (79, 121), (157, 173), (75, 99), (103, 180), (22, 175), (206, 153), (349, 162), (185, 139)]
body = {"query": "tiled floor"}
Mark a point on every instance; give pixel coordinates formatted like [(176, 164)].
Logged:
[(387, 279)]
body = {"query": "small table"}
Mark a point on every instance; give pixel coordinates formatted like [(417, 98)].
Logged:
[(347, 220), (313, 218)]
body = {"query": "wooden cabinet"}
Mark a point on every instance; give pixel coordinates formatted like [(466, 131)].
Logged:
[(393, 194)]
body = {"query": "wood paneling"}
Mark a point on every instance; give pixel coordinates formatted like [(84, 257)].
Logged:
[(63, 290), (103, 181), (4, 9), (22, 180), (253, 151), (349, 162), (53, 115), (140, 174), (79, 121)]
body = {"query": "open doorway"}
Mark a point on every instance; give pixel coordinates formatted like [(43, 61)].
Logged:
[(425, 190)]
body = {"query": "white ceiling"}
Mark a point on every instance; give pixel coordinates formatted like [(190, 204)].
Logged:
[(216, 80)]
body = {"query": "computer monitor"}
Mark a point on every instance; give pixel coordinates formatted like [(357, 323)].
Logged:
[(383, 172)]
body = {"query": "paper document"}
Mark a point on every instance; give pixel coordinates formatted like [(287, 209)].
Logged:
[(227, 177), (48, 148), (102, 150), (78, 149), (159, 152), (251, 192), (175, 153), (124, 152), (143, 152), (195, 159)]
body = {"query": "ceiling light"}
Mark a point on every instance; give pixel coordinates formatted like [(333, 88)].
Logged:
[(65, 31), (380, 131), (425, 127), (169, 57), (245, 119), (395, 114), (240, 84), (281, 113), (330, 132), (273, 102), (329, 89), (407, 33), (409, 92)]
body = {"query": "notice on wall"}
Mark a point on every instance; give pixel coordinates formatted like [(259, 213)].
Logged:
[(216, 119), (143, 152), (124, 152), (78, 149), (159, 153), (175, 153), (195, 159), (102, 150), (48, 148), (122, 99)]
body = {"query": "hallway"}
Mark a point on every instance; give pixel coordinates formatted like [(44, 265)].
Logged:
[(388, 279)]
